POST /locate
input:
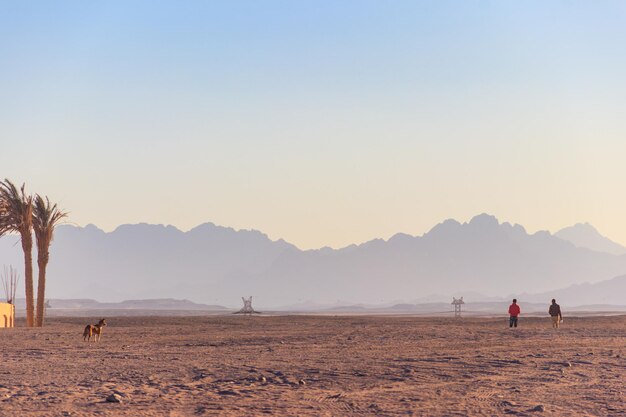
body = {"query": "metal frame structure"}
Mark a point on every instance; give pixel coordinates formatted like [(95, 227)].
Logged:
[(457, 303), (247, 307)]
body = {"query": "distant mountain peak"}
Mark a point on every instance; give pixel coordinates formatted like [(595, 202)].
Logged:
[(447, 226), (401, 237), (212, 228), (129, 228), (484, 219), (584, 235), (478, 224), (93, 227), (586, 227)]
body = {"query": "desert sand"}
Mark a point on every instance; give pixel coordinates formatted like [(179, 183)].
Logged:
[(316, 366)]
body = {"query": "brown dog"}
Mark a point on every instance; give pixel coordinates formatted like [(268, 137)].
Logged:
[(94, 330)]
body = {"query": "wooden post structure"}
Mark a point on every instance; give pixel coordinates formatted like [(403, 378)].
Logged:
[(9, 281), (247, 307), (457, 303)]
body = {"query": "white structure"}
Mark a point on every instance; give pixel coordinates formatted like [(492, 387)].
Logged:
[(247, 307), (457, 303)]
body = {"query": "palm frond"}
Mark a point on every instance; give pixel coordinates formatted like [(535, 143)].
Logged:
[(16, 208), (46, 217)]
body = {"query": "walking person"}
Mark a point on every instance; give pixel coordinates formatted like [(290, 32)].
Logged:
[(514, 312), (555, 314)]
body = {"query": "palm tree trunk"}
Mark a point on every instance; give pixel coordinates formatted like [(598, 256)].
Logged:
[(27, 246), (42, 263)]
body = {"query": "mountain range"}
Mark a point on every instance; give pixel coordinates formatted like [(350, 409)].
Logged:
[(217, 265)]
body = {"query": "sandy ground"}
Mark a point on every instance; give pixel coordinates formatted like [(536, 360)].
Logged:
[(307, 365)]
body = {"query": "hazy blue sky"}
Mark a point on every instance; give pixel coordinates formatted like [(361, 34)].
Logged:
[(321, 122)]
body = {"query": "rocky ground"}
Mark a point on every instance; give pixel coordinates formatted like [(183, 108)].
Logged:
[(316, 365)]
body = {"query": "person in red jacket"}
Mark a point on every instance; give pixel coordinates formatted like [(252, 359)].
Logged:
[(514, 311)]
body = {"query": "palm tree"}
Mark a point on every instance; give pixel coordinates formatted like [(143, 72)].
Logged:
[(45, 219), (17, 216)]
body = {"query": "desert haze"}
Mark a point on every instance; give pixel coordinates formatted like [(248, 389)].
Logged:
[(217, 265)]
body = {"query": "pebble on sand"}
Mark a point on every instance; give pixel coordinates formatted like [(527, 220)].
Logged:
[(540, 408), (114, 398)]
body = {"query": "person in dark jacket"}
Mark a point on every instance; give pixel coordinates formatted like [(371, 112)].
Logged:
[(555, 314), (514, 312)]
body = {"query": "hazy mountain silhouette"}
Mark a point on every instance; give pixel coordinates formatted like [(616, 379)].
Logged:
[(217, 265), (585, 235), (149, 261), (482, 256), (609, 292)]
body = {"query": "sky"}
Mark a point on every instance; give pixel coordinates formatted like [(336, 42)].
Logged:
[(324, 123)]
